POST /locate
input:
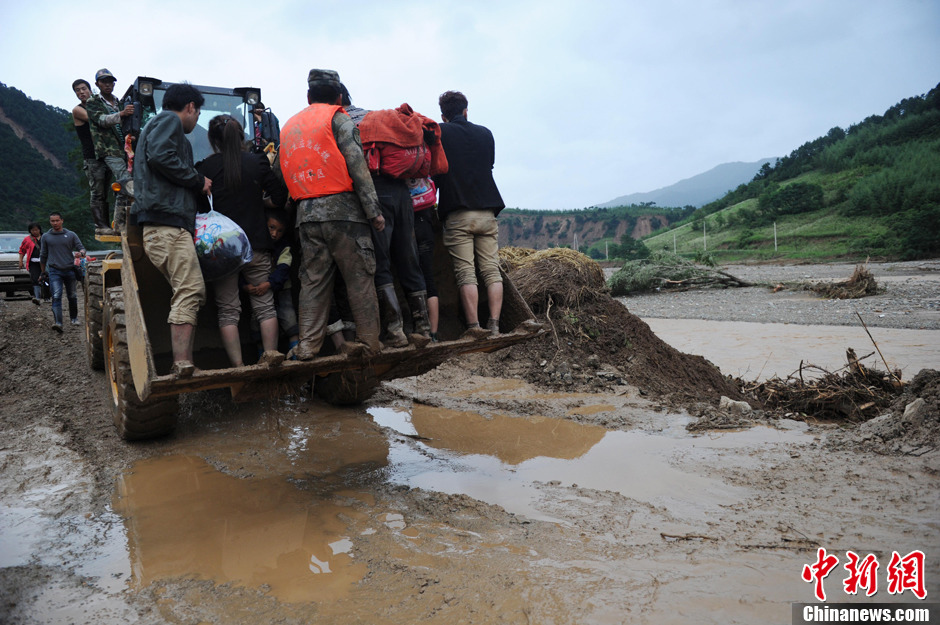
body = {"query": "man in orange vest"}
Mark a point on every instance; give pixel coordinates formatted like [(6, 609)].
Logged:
[(326, 174)]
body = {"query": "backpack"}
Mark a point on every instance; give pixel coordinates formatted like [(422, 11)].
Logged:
[(423, 192), (401, 143), (397, 161)]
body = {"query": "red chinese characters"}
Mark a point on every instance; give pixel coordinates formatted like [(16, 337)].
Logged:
[(907, 573), (818, 571), (903, 573), (862, 573)]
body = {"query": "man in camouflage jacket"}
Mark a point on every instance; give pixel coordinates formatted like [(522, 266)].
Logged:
[(104, 117)]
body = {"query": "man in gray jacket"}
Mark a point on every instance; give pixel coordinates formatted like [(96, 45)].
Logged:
[(166, 185), (58, 248)]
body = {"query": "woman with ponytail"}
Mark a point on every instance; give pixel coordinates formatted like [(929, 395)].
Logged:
[(241, 182)]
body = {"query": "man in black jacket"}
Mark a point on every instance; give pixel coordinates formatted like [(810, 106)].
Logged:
[(468, 205), (165, 188)]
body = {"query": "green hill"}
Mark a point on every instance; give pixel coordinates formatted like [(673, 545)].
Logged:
[(40, 165), (872, 190)]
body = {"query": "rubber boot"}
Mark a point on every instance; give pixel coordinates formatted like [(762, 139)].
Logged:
[(391, 315), (99, 213), (418, 302)]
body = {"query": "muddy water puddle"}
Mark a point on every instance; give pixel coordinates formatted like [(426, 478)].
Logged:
[(186, 518), (506, 461), (762, 350), (297, 539)]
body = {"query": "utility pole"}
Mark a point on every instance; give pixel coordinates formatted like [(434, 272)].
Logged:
[(704, 237), (674, 249), (606, 251), (775, 237)]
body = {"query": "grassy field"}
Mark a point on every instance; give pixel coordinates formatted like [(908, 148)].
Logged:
[(820, 235)]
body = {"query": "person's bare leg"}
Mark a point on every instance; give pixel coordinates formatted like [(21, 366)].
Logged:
[(271, 357), (233, 344), (434, 312), (469, 300), (494, 297), (269, 330), (494, 300), (182, 337)]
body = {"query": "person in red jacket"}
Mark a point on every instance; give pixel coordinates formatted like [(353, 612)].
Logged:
[(29, 258)]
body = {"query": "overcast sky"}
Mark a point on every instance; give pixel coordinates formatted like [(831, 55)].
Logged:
[(588, 100)]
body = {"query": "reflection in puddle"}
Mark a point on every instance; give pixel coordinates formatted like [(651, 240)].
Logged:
[(501, 459), (763, 350), (512, 440), (185, 518)]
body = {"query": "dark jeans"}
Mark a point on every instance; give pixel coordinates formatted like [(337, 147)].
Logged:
[(34, 274), (395, 245), (424, 237), (56, 279)]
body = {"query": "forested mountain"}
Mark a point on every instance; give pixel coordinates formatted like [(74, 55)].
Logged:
[(872, 189), (40, 165), (697, 190)]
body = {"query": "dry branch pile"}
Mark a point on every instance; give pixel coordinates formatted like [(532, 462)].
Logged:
[(854, 393), (861, 284)]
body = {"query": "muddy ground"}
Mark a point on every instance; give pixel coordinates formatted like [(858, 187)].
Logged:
[(535, 485)]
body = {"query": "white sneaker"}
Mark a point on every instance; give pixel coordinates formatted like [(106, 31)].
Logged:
[(76, 322)]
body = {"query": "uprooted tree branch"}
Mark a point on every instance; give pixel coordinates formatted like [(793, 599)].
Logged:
[(664, 270), (854, 393)]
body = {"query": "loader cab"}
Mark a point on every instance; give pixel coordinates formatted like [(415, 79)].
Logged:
[(146, 94)]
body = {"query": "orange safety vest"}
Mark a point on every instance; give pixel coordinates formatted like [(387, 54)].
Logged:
[(311, 161)]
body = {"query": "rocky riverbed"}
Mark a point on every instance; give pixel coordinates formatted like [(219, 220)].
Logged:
[(909, 297)]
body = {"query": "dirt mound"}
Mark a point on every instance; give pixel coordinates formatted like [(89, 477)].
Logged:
[(593, 341), (911, 427), (557, 276)]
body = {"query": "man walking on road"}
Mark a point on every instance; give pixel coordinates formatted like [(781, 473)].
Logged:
[(166, 185), (58, 250)]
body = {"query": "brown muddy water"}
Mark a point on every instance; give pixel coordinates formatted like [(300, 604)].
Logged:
[(759, 351), (291, 529)]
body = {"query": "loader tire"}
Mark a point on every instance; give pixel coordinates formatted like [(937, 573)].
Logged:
[(346, 388), (94, 314), (134, 419)]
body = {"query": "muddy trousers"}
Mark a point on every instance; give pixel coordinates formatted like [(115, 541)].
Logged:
[(97, 172), (326, 247)]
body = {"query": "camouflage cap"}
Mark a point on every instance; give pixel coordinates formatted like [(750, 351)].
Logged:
[(104, 73), (323, 77)]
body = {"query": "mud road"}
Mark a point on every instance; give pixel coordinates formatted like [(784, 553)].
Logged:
[(448, 498)]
